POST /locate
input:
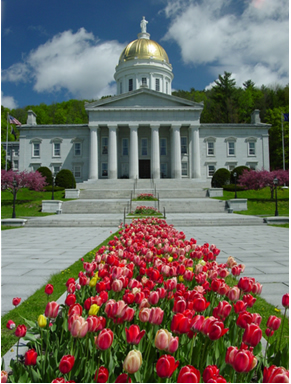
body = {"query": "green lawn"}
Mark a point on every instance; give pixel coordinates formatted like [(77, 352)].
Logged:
[(260, 202), (28, 203)]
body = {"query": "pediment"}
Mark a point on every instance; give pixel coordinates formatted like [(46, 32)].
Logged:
[(143, 98)]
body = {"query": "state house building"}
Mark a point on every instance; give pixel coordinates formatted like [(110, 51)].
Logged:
[(143, 131)]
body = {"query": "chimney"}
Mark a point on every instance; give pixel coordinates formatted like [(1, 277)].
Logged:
[(31, 118), (255, 117)]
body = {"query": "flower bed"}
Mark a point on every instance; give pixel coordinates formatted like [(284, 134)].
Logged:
[(152, 307), (145, 211), (146, 196)]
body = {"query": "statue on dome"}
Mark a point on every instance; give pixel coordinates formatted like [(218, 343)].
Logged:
[(143, 25)]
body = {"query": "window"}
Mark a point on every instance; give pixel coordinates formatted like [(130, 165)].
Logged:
[(184, 145), (124, 147), (77, 171), (144, 81), (210, 148), (144, 147), (56, 169), (104, 170), (231, 167), (158, 85), (15, 164), (130, 85), (77, 149), (252, 148), (36, 149), (231, 148), (163, 146), (104, 143), (16, 152), (210, 170), (56, 149), (184, 168), (163, 170), (34, 167)]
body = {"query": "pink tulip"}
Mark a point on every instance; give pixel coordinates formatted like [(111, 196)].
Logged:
[(104, 340), (156, 315), (79, 327), (52, 309)]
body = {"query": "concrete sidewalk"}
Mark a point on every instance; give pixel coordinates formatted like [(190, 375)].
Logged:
[(31, 255)]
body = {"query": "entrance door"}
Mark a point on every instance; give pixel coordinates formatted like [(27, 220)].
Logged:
[(144, 169)]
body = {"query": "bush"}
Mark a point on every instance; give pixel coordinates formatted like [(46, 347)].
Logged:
[(239, 170), (49, 188), (220, 178), (47, 173), (65, 179), (231, 188)]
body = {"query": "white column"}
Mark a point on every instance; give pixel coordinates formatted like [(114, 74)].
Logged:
[(155, 152), (112, 152), (133, 152), (93, 161), (176, 152), (195, 152)]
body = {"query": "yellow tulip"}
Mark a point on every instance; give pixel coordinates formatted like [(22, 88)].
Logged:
[(93, 282), (93, 310), (41, 321), (170, 259), (181, 279), (190, 269)]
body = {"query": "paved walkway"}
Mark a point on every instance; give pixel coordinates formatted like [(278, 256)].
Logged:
[(31, 255)]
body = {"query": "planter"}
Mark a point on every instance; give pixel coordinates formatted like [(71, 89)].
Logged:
[(72, 193), (237, 204), (214, 192), (52, 206), (14, 222)]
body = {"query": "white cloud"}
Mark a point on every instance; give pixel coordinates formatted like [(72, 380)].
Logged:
[(76, 62), (251, 42), (8, 101)]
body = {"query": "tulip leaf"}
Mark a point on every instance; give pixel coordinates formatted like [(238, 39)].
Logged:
[(30, 337), (28, 322)]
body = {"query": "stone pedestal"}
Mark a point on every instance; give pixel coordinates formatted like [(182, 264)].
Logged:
[(51, 206), (215, 192), (238, 204), (72, 193)]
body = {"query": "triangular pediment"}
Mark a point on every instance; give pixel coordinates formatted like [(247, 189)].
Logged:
[(143, 98)]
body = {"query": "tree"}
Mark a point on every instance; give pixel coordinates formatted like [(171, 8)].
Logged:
[(31, 180), (254, 179)]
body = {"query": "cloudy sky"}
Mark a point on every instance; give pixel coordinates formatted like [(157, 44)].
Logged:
[(55, 50)]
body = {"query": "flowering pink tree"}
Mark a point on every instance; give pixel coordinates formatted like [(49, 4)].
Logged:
[(24, 179), (254, 179)]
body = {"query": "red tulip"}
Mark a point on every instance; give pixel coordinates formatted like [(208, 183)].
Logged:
[(49, 288), (180, 305), (4, 377), (180, 324), (211, 375), (239, 306), (75, 309), (123, 378), (269, 332), (246, 284), (252, 335), (20, 331), (105, 339), (30, 357), (16, 301), (71, 280), (273, 322), (134, 335), (102, 375), (233, 294), (70, 300), (127, 315), (93, 323), (257, 288), (66, 364), (213, 328), (166, 366), (52, 309), (196, 323), (249, 300), (188, 374), (154, 298), (242, 360), (10, 324), (244, 318), (275, 374), (256, 318), (222, 310), (285, 300)]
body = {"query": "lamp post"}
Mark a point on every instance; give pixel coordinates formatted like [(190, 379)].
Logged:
[(275, 181), (53, 184), (14, 183), (235, 175)]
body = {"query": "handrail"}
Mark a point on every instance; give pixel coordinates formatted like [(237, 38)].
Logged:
[(164, 212)]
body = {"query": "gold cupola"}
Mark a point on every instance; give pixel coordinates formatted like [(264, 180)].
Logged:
[(143, 63)]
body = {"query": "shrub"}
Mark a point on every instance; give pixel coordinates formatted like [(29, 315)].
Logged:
[(49, 188), (231, 188), (239, 171), (221, 177), (47, 173), (65, 179)]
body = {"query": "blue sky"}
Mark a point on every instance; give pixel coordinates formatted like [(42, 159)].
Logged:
[(56, 50)]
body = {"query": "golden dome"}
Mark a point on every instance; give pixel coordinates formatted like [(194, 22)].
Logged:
[(143, 49)]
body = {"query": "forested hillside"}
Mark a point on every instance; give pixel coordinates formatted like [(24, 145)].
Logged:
[(223, 103)]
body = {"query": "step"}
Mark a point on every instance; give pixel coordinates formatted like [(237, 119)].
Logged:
[(95, 206)]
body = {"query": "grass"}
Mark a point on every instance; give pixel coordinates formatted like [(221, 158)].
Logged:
[(28, 203), (280, 225), (35, 305), (4, 227), (265, 309), (260, 203)]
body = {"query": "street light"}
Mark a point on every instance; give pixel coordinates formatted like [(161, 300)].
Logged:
[(235, 175), (275, 181), (54, 178), (14, 183)]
